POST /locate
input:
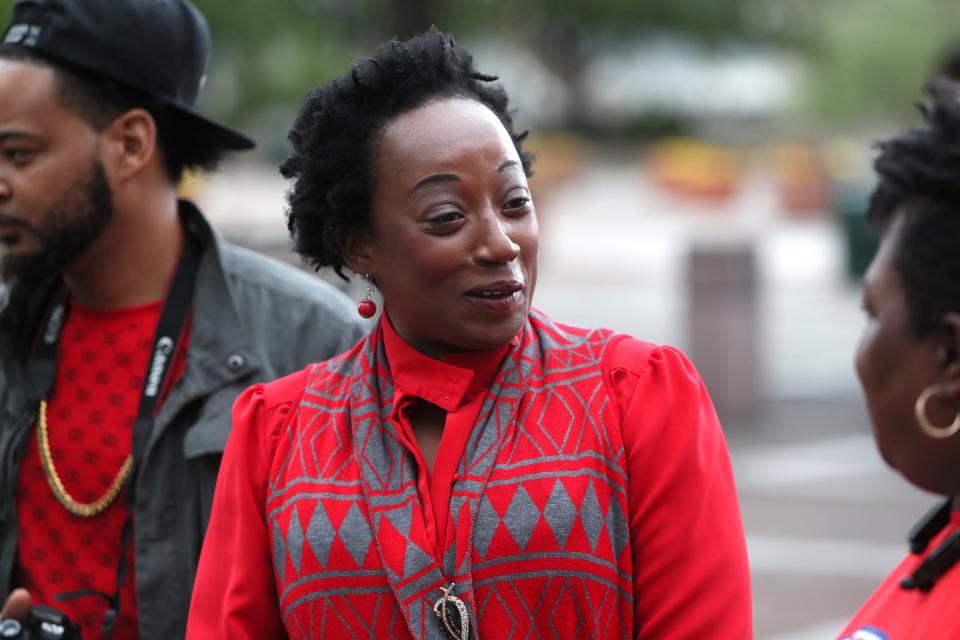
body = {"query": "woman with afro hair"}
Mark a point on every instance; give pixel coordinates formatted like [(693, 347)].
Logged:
[(909, 364), (472, 469)]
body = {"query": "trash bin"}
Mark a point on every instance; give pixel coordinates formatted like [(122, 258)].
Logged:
[(723, 327), (860, 239)]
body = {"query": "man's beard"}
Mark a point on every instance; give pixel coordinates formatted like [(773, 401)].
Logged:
[(69, 227)]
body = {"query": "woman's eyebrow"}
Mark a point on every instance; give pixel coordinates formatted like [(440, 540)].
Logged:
[(437, 177)]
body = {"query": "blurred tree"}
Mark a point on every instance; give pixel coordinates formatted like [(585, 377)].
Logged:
[(865, 56), (268, 53), (870, 58), (566, 34)]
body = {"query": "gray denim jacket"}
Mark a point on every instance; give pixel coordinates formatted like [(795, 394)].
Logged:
[(254, 319)]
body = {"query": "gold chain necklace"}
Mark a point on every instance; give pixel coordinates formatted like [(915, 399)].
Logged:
[(77, 508)]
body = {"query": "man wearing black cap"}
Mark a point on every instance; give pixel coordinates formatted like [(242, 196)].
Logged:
[(127, 325)]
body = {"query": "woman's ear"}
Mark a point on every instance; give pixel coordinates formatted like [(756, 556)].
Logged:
[(357, 248), (949, 352)]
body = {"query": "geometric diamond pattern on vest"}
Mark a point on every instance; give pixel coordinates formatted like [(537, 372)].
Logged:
[(521, 517), (320, 534), (295, 540), (494, 604), (415, 560), (358, 542), (545, 453), (450, 560), (560, 513), (393, 546), (485, 526), (561, 420), (401, 519), (591, 516), (279, 550), (617, 528), (461, 518), (568, 600)]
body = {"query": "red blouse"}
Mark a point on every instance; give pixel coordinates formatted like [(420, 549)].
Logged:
[(690, 576), (892, 613), (456, 383)]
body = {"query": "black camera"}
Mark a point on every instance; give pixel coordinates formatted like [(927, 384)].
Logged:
[(43, 623)]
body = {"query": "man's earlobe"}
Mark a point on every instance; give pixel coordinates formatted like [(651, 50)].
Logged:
[(133, 139)]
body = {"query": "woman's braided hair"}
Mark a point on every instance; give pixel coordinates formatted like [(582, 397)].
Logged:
[(919, 179)]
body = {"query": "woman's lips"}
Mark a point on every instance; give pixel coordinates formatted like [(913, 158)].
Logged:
[(505, 296), (498, 288)]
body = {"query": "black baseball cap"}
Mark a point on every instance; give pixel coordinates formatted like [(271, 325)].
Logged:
[(159, 47)]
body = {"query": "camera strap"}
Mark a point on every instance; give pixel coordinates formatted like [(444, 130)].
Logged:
[(41, 373)]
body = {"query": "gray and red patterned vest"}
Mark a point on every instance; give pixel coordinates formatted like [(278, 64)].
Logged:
[(537, 537)]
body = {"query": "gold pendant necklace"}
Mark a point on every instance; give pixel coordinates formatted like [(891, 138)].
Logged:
[(77, 508), (451, 611)]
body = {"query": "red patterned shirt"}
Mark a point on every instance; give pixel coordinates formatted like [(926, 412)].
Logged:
[(90, 416)]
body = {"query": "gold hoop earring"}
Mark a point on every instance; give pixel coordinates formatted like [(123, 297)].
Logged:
[(932, 430)]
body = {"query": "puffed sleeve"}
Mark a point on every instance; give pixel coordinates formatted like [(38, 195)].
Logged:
[(234, 595), (691, 575)]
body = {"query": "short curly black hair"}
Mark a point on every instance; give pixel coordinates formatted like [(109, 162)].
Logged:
[(919, 180), (335, 132)]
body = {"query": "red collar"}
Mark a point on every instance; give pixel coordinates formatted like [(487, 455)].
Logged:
[(448, 382)]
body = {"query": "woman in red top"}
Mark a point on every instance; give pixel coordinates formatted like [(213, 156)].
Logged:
[(472, 469), (909, 365)]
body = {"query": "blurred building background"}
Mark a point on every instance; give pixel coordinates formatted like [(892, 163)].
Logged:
[(702, 169)]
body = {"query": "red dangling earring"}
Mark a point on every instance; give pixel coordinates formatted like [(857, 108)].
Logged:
[(367, 307)]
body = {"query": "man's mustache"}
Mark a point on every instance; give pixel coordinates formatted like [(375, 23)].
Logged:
[(23, 225)]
